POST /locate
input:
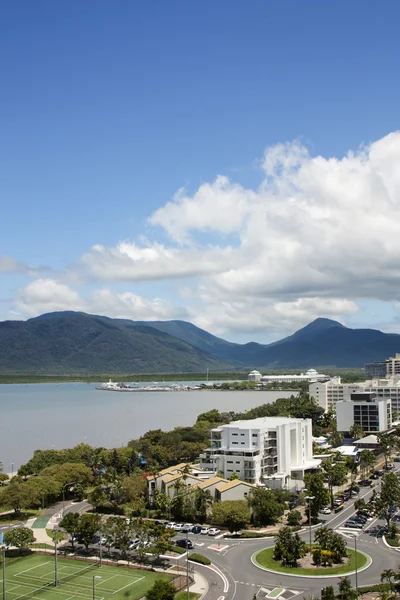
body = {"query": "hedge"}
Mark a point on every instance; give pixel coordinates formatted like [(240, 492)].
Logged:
[(200, 558)]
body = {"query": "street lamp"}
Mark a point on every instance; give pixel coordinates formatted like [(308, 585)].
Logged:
[(309, 498), (12, 470), (3, 552), (355, 560), (94, 585), (63, 494)]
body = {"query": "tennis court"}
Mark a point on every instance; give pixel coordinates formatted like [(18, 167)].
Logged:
[(33, 577)]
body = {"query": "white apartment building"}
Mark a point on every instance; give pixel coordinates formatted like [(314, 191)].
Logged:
[(268, 450), (374, 414), (327, 394)]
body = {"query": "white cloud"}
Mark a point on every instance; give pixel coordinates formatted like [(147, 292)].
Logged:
[(47, 295), (315, 236)]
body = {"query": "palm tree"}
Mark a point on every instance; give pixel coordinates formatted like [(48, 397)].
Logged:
[(356, 431), (388, 575)]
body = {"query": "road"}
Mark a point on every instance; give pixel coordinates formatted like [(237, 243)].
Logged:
[(241, 579)]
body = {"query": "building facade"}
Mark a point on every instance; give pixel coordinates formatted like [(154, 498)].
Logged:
[(386, 368), (268, 450), (310, 375), (327, 394), (372, 413)]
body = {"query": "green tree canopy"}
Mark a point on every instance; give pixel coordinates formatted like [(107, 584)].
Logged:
[(266, 509), (20, 537), (161, 590), (233, 514)]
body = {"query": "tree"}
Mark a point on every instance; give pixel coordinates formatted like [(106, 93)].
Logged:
[(70, 524), (335, 475), (19, 495), (314, 483), (233, 514), (328, 593), (356, 431), (293, 518), (88, 526), (122, 533), (161, 538), (332, 542), (266, 509), (387, 443), (20, 537), (234, 476), (161, 590), (345, 589), (388, 575), (390, 496), (367, 460), (289, 547)]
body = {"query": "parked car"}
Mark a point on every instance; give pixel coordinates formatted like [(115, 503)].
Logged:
[(339, 507), (325, 511), (380, 472), (196, 529), (170, 525), (184, 544), (353, 525), (204, 530), (133, 544), (178, 526), (374, 476), (214, 531), (365, 482), (396, 459), (186, 527)]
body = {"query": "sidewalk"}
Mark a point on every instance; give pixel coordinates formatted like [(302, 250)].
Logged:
[(200, 585)]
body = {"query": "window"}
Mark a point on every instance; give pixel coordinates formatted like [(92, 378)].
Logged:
[(242, 434), (235, 442), (235, 434), (243, 443), (238, 462), (254, 434), (230, 462), (230, 470)]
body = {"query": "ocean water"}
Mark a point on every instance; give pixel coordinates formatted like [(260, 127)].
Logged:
[(62, 415)]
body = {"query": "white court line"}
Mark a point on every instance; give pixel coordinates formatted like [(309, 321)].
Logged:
[(125, 586), (35, 567)]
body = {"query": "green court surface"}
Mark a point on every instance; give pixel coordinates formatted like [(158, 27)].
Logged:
[(26, 576)]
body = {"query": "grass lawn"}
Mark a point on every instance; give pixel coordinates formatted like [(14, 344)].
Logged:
[(183, 595), (25, 575), (23, 516), (264, 558)]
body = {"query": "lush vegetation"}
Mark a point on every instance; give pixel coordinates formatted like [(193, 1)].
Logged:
[(200, 558), (70, 343), (265, 559)]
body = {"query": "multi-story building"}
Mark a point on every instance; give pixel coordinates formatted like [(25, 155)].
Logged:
[(329, 393), (385, 368), (268, 450), (374, 414)]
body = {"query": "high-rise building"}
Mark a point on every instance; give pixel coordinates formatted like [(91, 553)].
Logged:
[(384, 368), (372, 413), (269, 450)]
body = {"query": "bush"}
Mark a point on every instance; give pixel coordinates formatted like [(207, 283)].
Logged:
[(200, 558), (178, 549), (377, 587)]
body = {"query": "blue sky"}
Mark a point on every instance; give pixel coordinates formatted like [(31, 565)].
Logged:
[(190, 160)]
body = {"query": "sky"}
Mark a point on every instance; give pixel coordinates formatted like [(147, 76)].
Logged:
[(233, 164)]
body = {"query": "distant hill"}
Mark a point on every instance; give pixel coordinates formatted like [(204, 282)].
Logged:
[(76, 343)]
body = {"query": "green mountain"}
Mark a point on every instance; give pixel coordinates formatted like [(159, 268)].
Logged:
[(73, 343), (69, 343)]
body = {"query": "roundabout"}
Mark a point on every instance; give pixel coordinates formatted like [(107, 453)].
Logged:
[(263, 559)]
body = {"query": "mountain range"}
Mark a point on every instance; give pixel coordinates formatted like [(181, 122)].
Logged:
[(75, 343)]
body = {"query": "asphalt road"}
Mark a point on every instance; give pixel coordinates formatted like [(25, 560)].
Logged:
[(240, 579)]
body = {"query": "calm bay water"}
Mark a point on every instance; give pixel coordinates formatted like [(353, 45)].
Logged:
[(62, 415)]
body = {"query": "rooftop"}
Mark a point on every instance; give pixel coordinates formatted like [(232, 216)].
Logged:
[(262, 423)]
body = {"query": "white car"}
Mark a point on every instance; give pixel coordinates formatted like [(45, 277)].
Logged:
[(178, 526), (204, 531), (326, 511), (170, 525), (214, 531)]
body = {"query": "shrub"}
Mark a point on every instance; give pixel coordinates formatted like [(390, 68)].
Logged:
[(178, 549), (200, 558)]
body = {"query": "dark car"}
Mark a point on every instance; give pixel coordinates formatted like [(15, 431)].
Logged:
[(379, 473), (184, 544), (353, 525), (365, 482), (196, 529)]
